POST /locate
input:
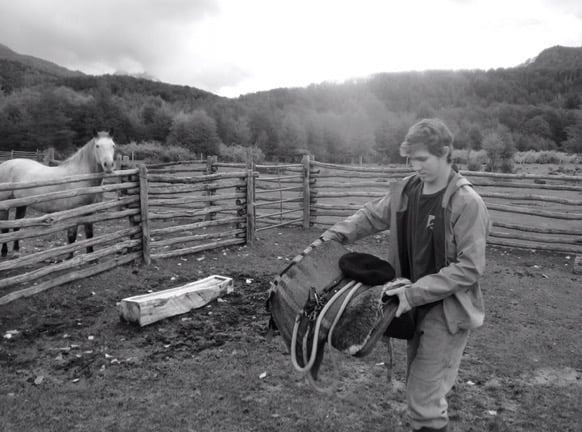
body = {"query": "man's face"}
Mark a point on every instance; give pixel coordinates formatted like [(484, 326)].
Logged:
[(429, 167)]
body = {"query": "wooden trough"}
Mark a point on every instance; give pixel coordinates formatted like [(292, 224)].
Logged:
[(148, 308)]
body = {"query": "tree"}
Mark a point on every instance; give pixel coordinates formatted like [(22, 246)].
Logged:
[(574, 142), (195, 131), (475, 138), (500, 149), (390, 134), (537, 126), (156, 123), (52, 126), (292, 136), (424, 111), (360, 135), (15, 128)]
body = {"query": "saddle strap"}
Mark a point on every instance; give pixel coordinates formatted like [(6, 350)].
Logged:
[(353, 286)]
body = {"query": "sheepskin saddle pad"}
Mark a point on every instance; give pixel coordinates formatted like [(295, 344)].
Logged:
[(328, 294)]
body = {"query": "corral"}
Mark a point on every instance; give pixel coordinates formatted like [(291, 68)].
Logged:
[(68, 363)]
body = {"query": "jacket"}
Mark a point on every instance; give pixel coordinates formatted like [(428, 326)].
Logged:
[(467, 224)]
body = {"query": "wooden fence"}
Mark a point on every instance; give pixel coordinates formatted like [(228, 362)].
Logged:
[(541, 212), (174, 209), (191, 213), (41, 266), (13, 154)]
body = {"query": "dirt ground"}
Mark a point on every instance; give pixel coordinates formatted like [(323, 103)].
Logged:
[(68, 363)]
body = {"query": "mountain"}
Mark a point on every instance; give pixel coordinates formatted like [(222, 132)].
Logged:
[(37, 63), (21, 71), (558, 57)]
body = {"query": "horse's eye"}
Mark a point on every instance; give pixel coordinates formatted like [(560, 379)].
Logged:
[(97, 145)]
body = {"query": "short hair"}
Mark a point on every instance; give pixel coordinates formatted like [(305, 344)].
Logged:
[(431, 133)]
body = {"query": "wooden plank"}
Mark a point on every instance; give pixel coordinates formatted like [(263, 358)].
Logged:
[(196, 225), (306, 193), (64, 180), (44, 230), (61, 216), (53, 252), (470, 174), (165, 178), (73, 263), (402, 170), (183, 238), (70, 277), (144, 214), (533, 212), (199, 248), (50, 196), (250, 206), (149, 308)]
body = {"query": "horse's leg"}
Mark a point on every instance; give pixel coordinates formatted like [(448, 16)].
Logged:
[(20, 213), (72, 236), (88, 235), (4, 216)]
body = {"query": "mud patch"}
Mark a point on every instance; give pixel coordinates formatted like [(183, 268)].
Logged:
[(560, 377)]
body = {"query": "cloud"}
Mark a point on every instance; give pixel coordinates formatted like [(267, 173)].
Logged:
[(231, 47), (129, 35)]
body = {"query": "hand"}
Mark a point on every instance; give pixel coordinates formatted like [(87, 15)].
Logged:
[(397, 288)]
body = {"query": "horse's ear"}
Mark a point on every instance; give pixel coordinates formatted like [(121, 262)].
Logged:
[(110, 132), (94, 132)]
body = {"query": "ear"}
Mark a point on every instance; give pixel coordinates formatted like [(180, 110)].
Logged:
[(110, 132), (446, 151), (94, 132)]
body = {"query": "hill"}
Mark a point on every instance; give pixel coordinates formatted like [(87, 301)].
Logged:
[(558, 57), (39, 64), (21, 71), (536, 106)]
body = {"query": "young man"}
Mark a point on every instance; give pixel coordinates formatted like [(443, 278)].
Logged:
[(438, 227)]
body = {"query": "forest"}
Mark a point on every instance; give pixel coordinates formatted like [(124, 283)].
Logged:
[(501, 110)]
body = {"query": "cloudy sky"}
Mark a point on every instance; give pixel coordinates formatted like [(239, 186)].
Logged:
[(232, 47)]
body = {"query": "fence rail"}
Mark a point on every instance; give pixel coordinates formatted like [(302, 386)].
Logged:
[(174, 209), (520, 204), (15, 154)]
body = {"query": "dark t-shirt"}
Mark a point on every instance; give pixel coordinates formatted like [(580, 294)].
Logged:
[(424, 223)]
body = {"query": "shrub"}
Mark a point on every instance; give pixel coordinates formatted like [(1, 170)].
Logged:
[(506, 166), (460, 156), (154, 152), (238, 153), (545, 157)]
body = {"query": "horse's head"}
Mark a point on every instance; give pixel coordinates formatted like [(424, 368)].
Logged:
[(104, 150)]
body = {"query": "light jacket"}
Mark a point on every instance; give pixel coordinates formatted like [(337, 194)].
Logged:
[(467, 224)]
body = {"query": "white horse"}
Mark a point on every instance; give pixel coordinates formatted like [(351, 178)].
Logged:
[(96, 156)]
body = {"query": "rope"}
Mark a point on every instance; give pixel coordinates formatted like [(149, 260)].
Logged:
[(353, 287), (313, 354)]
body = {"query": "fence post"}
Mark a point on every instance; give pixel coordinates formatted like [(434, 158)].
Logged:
[(144, 208), (306, 192), (250, 202), (210, 169), (312, 192)]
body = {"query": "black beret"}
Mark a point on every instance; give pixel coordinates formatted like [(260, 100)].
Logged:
[(366, 268)]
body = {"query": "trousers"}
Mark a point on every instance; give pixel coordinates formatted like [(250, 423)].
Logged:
[(433, 359)]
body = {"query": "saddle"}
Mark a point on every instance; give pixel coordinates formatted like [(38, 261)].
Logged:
[(328, 294)]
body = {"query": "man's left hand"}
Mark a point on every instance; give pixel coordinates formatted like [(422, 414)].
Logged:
[(398, 288)]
